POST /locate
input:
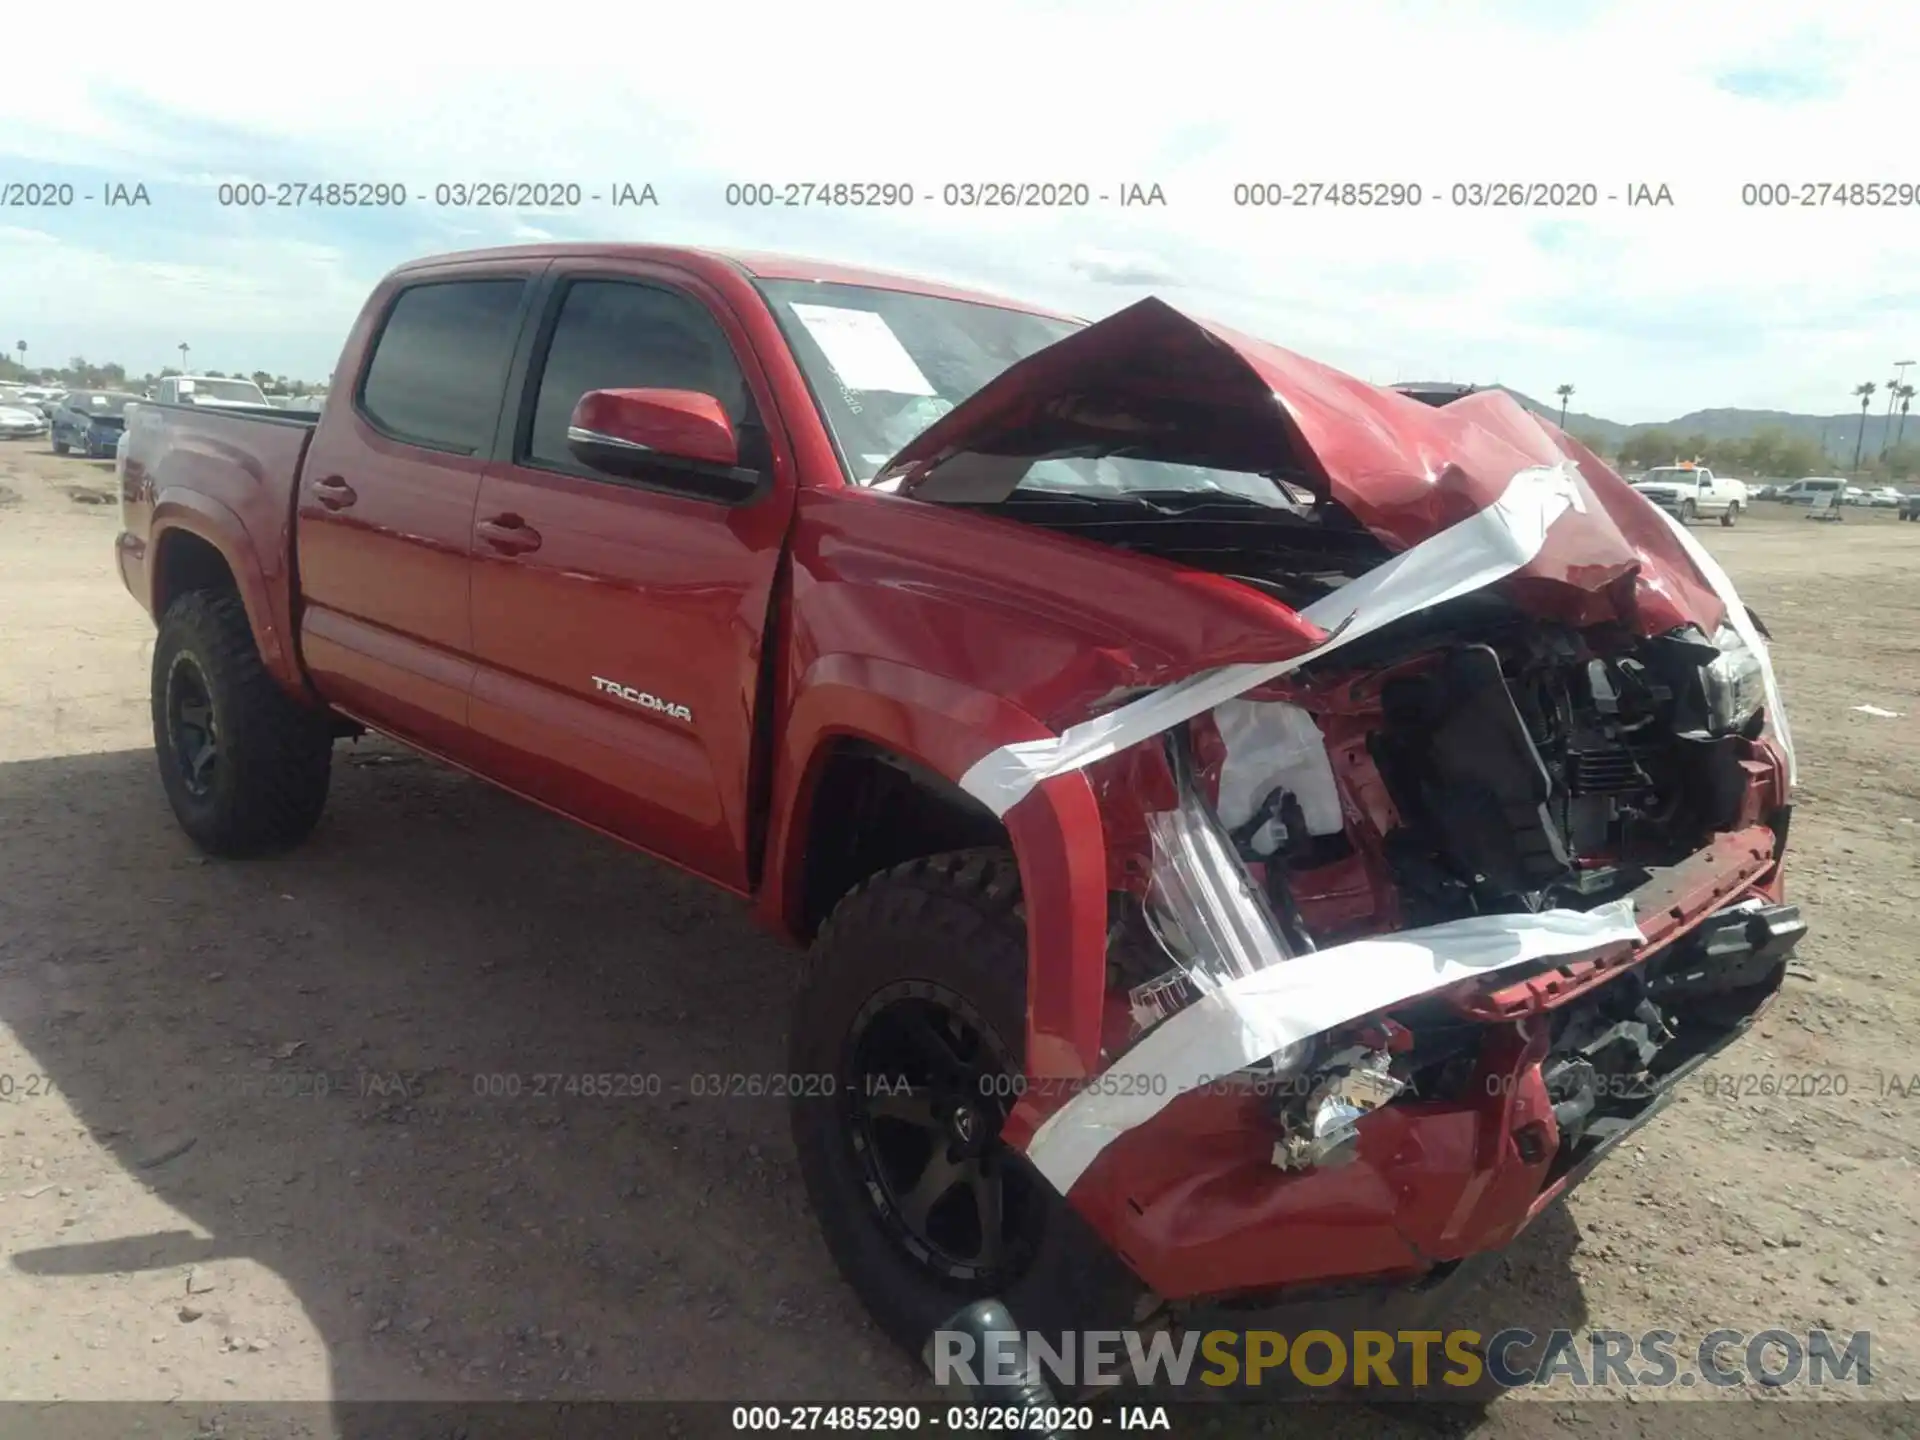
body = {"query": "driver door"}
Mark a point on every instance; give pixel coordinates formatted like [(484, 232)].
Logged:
[(618, 622)]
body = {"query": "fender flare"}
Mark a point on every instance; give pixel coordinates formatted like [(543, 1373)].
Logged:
[(1056, 832), (194, 513)]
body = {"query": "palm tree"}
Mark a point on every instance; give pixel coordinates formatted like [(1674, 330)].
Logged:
[(21, 346), (1865, 391), (183, 348), (1906, 399), (1565, 392)]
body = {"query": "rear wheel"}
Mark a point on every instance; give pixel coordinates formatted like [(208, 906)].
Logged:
[(908, 1031), (1731, 517), (59, 447), (244, 767)]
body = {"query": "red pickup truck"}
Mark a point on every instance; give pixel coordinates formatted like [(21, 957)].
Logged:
[(1256, 836)]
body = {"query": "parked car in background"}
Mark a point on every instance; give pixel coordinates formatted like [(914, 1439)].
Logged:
[(225, 391), (1692, 492), (42, 398), (1884, 497), (1814, 487), (90, 422), (20, 421), (1853, 495)]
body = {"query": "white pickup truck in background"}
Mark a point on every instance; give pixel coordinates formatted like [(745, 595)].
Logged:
[(1692, 492), (225, 391)]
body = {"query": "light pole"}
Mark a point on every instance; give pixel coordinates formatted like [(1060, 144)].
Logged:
[(1893, 394)]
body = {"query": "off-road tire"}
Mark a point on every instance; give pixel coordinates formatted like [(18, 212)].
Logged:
[(59, 446), (1688, 512), (1731, 515), (955, 920), (275, 756)]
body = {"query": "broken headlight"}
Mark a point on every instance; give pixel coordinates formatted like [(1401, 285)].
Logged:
[(1735, 684), (1206, 914)]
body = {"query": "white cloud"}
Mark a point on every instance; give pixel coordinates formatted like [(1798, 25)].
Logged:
[(1648, 311), (1111, 267)]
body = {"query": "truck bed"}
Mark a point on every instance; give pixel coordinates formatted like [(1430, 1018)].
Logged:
[(238, 471)]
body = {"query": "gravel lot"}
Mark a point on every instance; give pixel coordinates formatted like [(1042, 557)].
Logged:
[(245, 1153)]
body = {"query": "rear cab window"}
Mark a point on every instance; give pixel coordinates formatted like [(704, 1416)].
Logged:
[(439, 365)]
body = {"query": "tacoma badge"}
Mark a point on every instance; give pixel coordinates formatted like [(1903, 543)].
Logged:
[(643, 699)]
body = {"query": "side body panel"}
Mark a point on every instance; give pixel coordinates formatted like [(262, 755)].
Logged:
[(384, 535), (618, 629)]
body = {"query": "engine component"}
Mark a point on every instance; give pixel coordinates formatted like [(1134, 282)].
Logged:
[(1458, 755)]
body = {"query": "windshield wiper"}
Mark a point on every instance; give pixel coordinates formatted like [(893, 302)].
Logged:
[(1174, 503)]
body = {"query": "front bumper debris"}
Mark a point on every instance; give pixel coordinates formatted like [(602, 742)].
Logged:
[(1191, 1197)]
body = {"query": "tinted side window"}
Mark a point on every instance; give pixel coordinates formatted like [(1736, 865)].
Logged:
[(616, 335), (440, 363)]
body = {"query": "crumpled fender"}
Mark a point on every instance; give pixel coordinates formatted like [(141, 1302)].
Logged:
[(1057, 839)]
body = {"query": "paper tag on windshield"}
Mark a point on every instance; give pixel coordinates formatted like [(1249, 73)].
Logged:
[(863, 350)]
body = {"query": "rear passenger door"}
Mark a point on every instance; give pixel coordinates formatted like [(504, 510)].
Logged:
[(386, 502), (618, 623)]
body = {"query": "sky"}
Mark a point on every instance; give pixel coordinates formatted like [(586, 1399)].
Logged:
[(1647, 310)]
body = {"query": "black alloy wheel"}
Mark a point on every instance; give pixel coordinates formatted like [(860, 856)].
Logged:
[(928, 1087), (193, 734)]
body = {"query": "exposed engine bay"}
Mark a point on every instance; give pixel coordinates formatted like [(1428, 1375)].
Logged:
[(1534, 766), (1491, 764)]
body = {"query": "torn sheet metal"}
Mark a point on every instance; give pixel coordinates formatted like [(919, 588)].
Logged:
[(1248, 1019), (1487, 546), (1743, 626)]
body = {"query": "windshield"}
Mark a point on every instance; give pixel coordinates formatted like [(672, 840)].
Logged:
[(886, 364), (101, 402), (1670, 475), (242, 390)]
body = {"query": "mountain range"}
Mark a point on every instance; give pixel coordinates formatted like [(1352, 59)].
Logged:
[(1833, 433)]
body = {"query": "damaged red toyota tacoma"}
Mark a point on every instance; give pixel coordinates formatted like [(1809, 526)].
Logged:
[(1258, 838)]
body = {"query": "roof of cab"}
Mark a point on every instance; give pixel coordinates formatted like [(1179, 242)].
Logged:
[(759, 265)]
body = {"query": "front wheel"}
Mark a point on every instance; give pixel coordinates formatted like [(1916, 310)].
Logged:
[(1732, 515), (1687, 512), (244, 767), (59, 447), (909, 1029)]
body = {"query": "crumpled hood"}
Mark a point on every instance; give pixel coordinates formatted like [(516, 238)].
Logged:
[(1151, 382)]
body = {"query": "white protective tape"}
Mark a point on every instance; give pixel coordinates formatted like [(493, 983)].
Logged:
[(1487, 546), (1248, 1019), (1744, 627)]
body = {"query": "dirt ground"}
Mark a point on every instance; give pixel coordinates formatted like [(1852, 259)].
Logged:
[(246, 1151)]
